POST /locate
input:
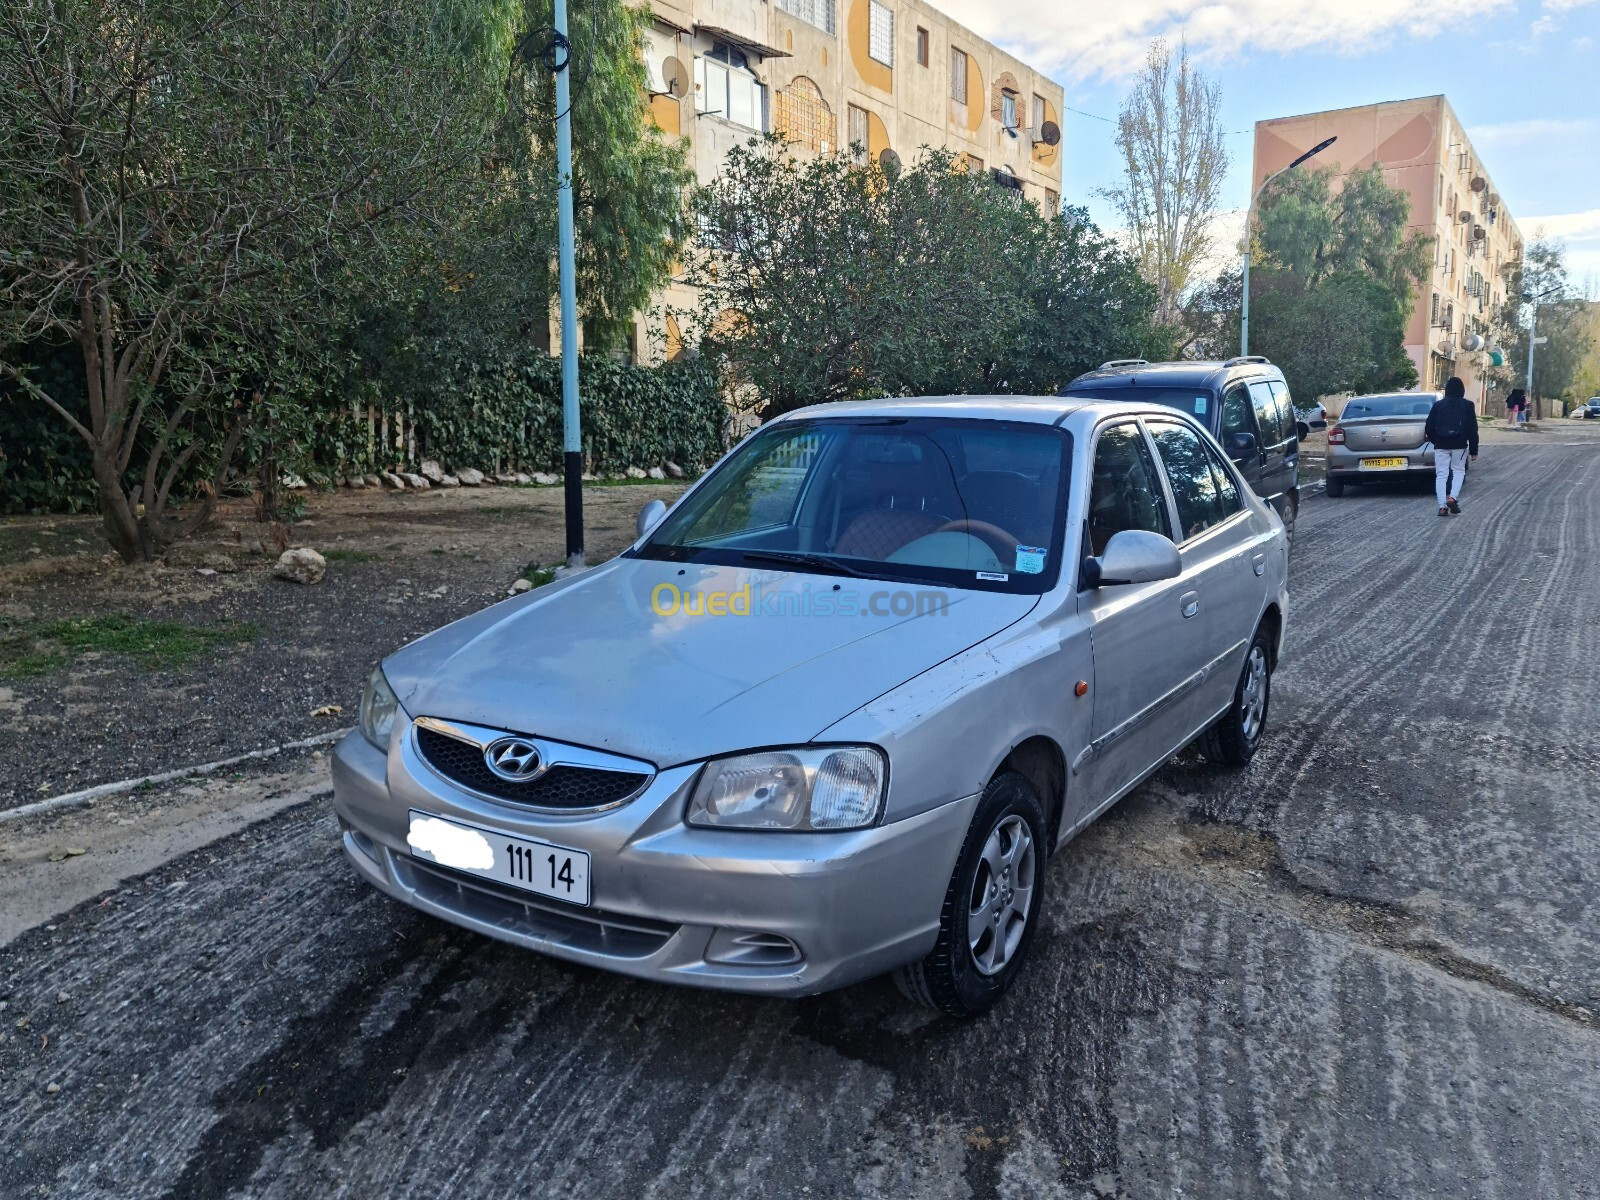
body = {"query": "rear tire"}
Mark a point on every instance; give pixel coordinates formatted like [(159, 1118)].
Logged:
[(1335, 487), (1233, 740), (1290, 514), (991, 907)]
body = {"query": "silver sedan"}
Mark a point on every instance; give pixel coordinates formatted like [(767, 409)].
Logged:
[(1380, 437), (830, 715)]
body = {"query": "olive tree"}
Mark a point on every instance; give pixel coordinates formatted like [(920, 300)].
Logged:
[(181, 181)]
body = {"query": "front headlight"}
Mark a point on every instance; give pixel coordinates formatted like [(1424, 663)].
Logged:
[(830, 787), (378, 705)]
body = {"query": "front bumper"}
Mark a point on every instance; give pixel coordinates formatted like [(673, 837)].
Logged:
[(1347, 463), (671, 903)]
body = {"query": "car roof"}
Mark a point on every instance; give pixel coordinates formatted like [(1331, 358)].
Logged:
[(1196, 373), (1083, 411)]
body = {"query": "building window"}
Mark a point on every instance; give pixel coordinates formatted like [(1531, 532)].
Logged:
[(972, 163), (858, 135), (1008, 110), (880, 32), (922, 46), (1038, 112), (1052, 202), (958, 75), (812, 12), (725, 86), (802, 116)]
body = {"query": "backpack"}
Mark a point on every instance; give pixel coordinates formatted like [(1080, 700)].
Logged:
[(1450, 423)]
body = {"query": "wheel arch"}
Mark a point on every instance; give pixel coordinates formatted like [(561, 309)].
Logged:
[(1039, 760), (1272, 621)]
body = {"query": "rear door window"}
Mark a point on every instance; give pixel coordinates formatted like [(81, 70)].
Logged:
[(1194, 484), (1266, 414), (1285, 405)]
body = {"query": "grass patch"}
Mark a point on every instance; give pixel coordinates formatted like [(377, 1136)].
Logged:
[(357, 556), (38, 649), (537, 575)]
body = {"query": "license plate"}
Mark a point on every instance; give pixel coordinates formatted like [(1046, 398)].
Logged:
[(1383, 464), (526, 863)]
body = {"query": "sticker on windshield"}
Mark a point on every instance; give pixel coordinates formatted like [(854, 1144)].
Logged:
[(1030, 559), (1199, 406), (994, 576)]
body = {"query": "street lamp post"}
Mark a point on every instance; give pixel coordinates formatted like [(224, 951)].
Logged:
[(1249, 224), (571, 438), (1533, 330)]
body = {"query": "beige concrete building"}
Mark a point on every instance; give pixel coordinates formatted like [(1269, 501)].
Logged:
[(1425, 152), (889, 76)]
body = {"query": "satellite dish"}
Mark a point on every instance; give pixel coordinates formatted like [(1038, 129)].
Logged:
[(1479, 183), (675, 77), (1464, 216), (1479, 233), (1050, 133), (1473, 341), (888, 159)]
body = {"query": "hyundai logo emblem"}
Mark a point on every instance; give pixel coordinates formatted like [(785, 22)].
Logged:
[(512, 758)]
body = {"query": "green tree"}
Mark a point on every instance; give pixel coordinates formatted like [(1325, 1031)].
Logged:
[(182, 176), (1565, 322), (1339, 272), (822, 280)]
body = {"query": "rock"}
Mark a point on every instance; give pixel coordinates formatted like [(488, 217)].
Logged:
[(372, 481), (449, 481), (301, 565), (588, 477), (545, 479), (522, 477), (255, 547), (431, 471), (470, 477), (656, 473), (220, 563), (390, 479), (520, 586), (355, 481), (509, 478), (674, 470), (62, 997), (416, 481), (636, 473), (294, 483), (52, 1088)]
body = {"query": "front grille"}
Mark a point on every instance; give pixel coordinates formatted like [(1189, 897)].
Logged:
[(531, 916), (560, 787)]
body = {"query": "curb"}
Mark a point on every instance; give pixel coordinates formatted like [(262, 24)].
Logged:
[(90, 795)]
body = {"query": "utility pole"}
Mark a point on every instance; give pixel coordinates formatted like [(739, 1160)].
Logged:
[(1249, 226), (1533, 340), (571, 438)]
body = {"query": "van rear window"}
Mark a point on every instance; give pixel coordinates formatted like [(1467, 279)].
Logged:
[(1197, 402)]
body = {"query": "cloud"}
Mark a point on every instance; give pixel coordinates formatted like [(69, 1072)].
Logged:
[(1570, 227), (1109, 40), (1564, 6)]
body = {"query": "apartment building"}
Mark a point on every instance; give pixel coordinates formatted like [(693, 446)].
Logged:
[(878, 78), (1425, 152)]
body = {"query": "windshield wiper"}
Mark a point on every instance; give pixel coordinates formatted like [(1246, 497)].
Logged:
[(800, 559)]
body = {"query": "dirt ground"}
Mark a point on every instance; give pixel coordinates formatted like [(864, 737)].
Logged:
[(400, 564)]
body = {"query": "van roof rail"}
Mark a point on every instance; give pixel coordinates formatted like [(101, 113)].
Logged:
[(1239, 360), (1125, 362)]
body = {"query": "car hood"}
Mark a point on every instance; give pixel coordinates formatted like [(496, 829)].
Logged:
[(589, 661)]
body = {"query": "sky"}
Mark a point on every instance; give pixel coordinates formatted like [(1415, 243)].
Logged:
[(1523, 76)]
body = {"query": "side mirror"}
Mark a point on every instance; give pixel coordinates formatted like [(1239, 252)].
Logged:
[(1134, 556), (650, 516), (1241, 445)]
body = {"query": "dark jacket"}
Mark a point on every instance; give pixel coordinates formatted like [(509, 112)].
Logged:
[(1453, 425)]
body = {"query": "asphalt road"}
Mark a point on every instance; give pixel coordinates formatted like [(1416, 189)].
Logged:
[(1367, 966)]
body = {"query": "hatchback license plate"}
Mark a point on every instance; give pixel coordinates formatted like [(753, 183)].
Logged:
[(526, 863), (1383, 464)]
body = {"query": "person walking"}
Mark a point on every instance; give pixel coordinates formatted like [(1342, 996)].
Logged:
[(1516, 405), (1453, 429)]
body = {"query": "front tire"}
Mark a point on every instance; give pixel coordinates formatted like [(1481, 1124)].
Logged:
[(991, 907), (1233, 740)]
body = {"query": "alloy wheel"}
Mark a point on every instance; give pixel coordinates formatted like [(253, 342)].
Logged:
[(1253, 696), (1002, 895)]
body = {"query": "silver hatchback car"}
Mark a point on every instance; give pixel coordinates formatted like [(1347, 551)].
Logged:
[(830, 714), (1380, 437)]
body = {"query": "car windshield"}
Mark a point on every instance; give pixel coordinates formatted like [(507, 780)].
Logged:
[(1197, 401), (960, 501), (1410, 404)]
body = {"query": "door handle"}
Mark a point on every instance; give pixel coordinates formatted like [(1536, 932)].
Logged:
[(1258, 563), (1189, 603)]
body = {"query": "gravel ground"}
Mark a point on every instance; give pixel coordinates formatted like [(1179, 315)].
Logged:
[(1369, 965), (411, 562)]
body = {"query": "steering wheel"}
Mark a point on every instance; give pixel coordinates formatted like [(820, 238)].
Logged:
[(997, 539)]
